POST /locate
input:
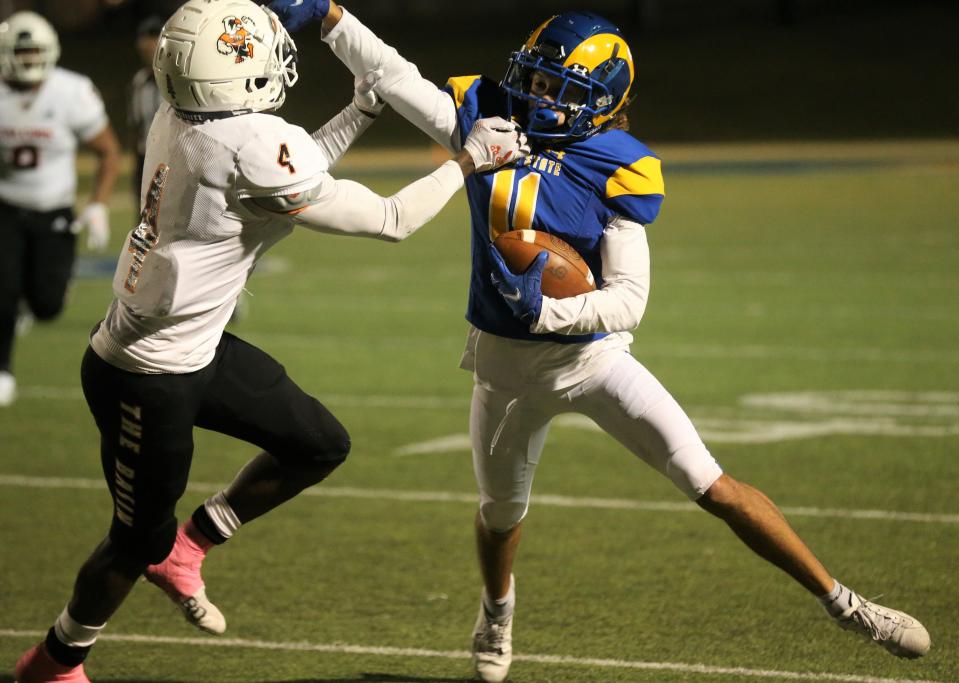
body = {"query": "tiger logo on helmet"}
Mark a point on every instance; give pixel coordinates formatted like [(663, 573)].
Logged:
[(193, 65), (592, 65), (236, 38)]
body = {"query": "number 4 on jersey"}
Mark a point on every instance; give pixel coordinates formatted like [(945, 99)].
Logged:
[(144, 237), (283, 158)]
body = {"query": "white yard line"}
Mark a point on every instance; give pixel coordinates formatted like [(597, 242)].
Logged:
[(342, 648), (18, 481)]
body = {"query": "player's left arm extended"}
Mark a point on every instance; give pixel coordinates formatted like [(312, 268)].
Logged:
[(344, 207), (620, 304), (397, 81)]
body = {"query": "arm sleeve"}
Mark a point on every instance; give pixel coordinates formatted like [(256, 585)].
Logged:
[(339, 133), (413, 97), (344, 207), (620, 304)]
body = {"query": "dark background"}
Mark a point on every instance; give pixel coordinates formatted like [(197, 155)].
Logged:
[(706, 70)]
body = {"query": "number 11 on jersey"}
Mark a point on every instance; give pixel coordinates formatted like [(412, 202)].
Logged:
[(527, 190)]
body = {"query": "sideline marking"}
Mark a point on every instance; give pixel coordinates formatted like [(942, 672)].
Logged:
[(14, 480), (385, 651)]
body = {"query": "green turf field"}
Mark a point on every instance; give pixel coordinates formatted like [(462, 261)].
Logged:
[(803, 309)]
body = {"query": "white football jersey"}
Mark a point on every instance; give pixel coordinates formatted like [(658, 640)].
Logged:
[(39, 131), (183, 266)]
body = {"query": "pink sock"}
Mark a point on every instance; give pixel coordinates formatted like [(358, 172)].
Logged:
[(195, 538)]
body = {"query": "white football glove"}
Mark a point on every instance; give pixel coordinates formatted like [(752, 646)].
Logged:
[(95, 219), (364, 98), (494, 142)]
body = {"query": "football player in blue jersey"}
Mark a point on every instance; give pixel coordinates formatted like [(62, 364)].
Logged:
[(594, 185)]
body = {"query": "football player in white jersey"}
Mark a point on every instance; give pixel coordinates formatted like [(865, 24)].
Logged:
[(45, 111), (594, 185), (227, 180)]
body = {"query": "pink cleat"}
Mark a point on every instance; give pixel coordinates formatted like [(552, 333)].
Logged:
[(179, 577), (37, 666)]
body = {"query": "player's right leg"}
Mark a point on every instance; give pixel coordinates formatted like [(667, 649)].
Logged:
[(249, 397), (146, 428), (252, 398), (632, 406), (507, 431), (12, 251)]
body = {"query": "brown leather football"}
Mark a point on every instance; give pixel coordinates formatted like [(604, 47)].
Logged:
[(566, 273)]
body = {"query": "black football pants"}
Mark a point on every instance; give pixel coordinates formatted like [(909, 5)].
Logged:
[(146, 425), (37, 251)]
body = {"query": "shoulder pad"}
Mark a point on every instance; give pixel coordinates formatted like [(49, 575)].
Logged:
[(643, 176), (458, 86), (278, 158)]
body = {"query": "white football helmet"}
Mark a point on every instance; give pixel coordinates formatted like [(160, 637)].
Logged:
[(29, 48), (224, 56)]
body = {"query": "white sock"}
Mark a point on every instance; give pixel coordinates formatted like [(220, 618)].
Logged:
[(222, 515), (503, 607), (840, 600), (72, 633)]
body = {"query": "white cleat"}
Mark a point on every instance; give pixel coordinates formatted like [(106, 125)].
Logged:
[(202, 613), (896, 631), (492, 646), (8, 389)]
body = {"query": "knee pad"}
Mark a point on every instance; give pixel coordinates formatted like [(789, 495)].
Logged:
[(338, 448), (318, 452), (693, 469), (46, 309), (500, 517), (150, 545), (313, 438), (327, 447)]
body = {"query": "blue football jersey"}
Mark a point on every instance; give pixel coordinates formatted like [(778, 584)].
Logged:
[(572, 191)]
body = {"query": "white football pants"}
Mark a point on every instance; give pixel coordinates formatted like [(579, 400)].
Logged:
[(508, 430)]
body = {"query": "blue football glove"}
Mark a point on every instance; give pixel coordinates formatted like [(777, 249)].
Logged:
[(295, 14), (522, 292)]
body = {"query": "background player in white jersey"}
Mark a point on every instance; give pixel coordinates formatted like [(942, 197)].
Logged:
[(595, 186), (44, 112), (227, 181)]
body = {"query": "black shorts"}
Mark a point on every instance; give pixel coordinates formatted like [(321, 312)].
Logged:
[(146, 425)]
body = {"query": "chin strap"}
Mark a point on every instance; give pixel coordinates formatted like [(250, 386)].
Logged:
[(202, 116)]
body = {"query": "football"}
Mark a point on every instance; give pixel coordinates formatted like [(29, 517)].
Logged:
[(566, 273)]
